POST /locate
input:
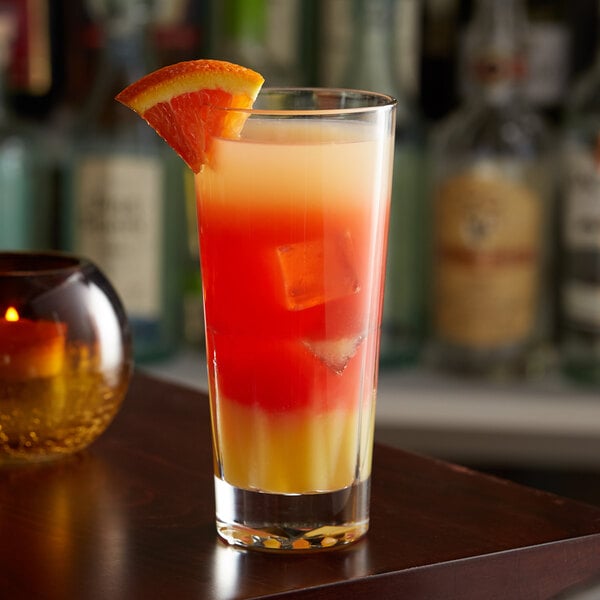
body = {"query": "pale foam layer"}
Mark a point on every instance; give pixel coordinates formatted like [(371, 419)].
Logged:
[(304, 162), (308, 131)]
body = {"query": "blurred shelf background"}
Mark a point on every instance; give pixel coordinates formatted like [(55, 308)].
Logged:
[(544, 432)]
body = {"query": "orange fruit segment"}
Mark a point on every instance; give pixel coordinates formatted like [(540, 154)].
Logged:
[(178, 102)]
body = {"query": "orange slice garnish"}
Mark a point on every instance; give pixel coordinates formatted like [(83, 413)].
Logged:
[(177, 101)]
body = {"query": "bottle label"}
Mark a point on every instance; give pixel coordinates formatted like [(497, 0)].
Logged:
[(118, 225), (582, 303), (582, 207), (493, 68), (488, 253)]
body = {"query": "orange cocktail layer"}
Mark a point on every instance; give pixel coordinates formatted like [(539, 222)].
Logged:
[(289, 236)]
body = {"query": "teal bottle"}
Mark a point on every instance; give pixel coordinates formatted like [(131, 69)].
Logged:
[(25, 211)]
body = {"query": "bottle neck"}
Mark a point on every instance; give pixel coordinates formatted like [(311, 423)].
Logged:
[(124, 59), (126, 54), (496, 52)]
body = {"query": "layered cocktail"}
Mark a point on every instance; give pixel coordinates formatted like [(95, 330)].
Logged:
[(292, 220)]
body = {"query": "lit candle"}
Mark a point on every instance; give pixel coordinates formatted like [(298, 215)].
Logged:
[(30, 349)]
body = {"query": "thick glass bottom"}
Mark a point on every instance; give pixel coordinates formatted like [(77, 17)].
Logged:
[(291, 522)]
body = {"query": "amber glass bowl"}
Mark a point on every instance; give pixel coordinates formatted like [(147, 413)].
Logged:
[(65, 355)]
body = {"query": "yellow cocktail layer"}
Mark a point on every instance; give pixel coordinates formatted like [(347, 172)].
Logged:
[(293, 452)]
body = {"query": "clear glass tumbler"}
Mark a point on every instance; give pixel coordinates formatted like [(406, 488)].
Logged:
[(293, 225)]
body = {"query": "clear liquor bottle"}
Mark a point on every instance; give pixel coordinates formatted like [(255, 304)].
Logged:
[(580, 239), (371, 66), (25, 211), (124, 192), (491, 210)]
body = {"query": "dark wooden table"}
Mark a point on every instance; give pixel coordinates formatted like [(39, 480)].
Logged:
[(132, 517)]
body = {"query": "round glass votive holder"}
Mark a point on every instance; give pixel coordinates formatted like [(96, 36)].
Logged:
[(65, 355)]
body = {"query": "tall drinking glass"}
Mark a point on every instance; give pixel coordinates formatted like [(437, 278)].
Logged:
[(293, 225)]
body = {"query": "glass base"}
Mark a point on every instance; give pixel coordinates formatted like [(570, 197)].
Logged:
[(292, 522)]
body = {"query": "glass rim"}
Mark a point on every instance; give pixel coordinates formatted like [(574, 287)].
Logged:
[(32, 263), (383, 101)]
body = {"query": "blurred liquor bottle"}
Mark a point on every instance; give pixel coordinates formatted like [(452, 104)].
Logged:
[(371, 66), (25, 211), (492, 210), (124, 200), (263, 35), (580, 218)]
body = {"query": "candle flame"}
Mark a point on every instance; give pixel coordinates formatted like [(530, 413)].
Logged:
[(11, 314)]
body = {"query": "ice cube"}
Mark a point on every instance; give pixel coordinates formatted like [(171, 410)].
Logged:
[(318, 271), (335, 354)]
